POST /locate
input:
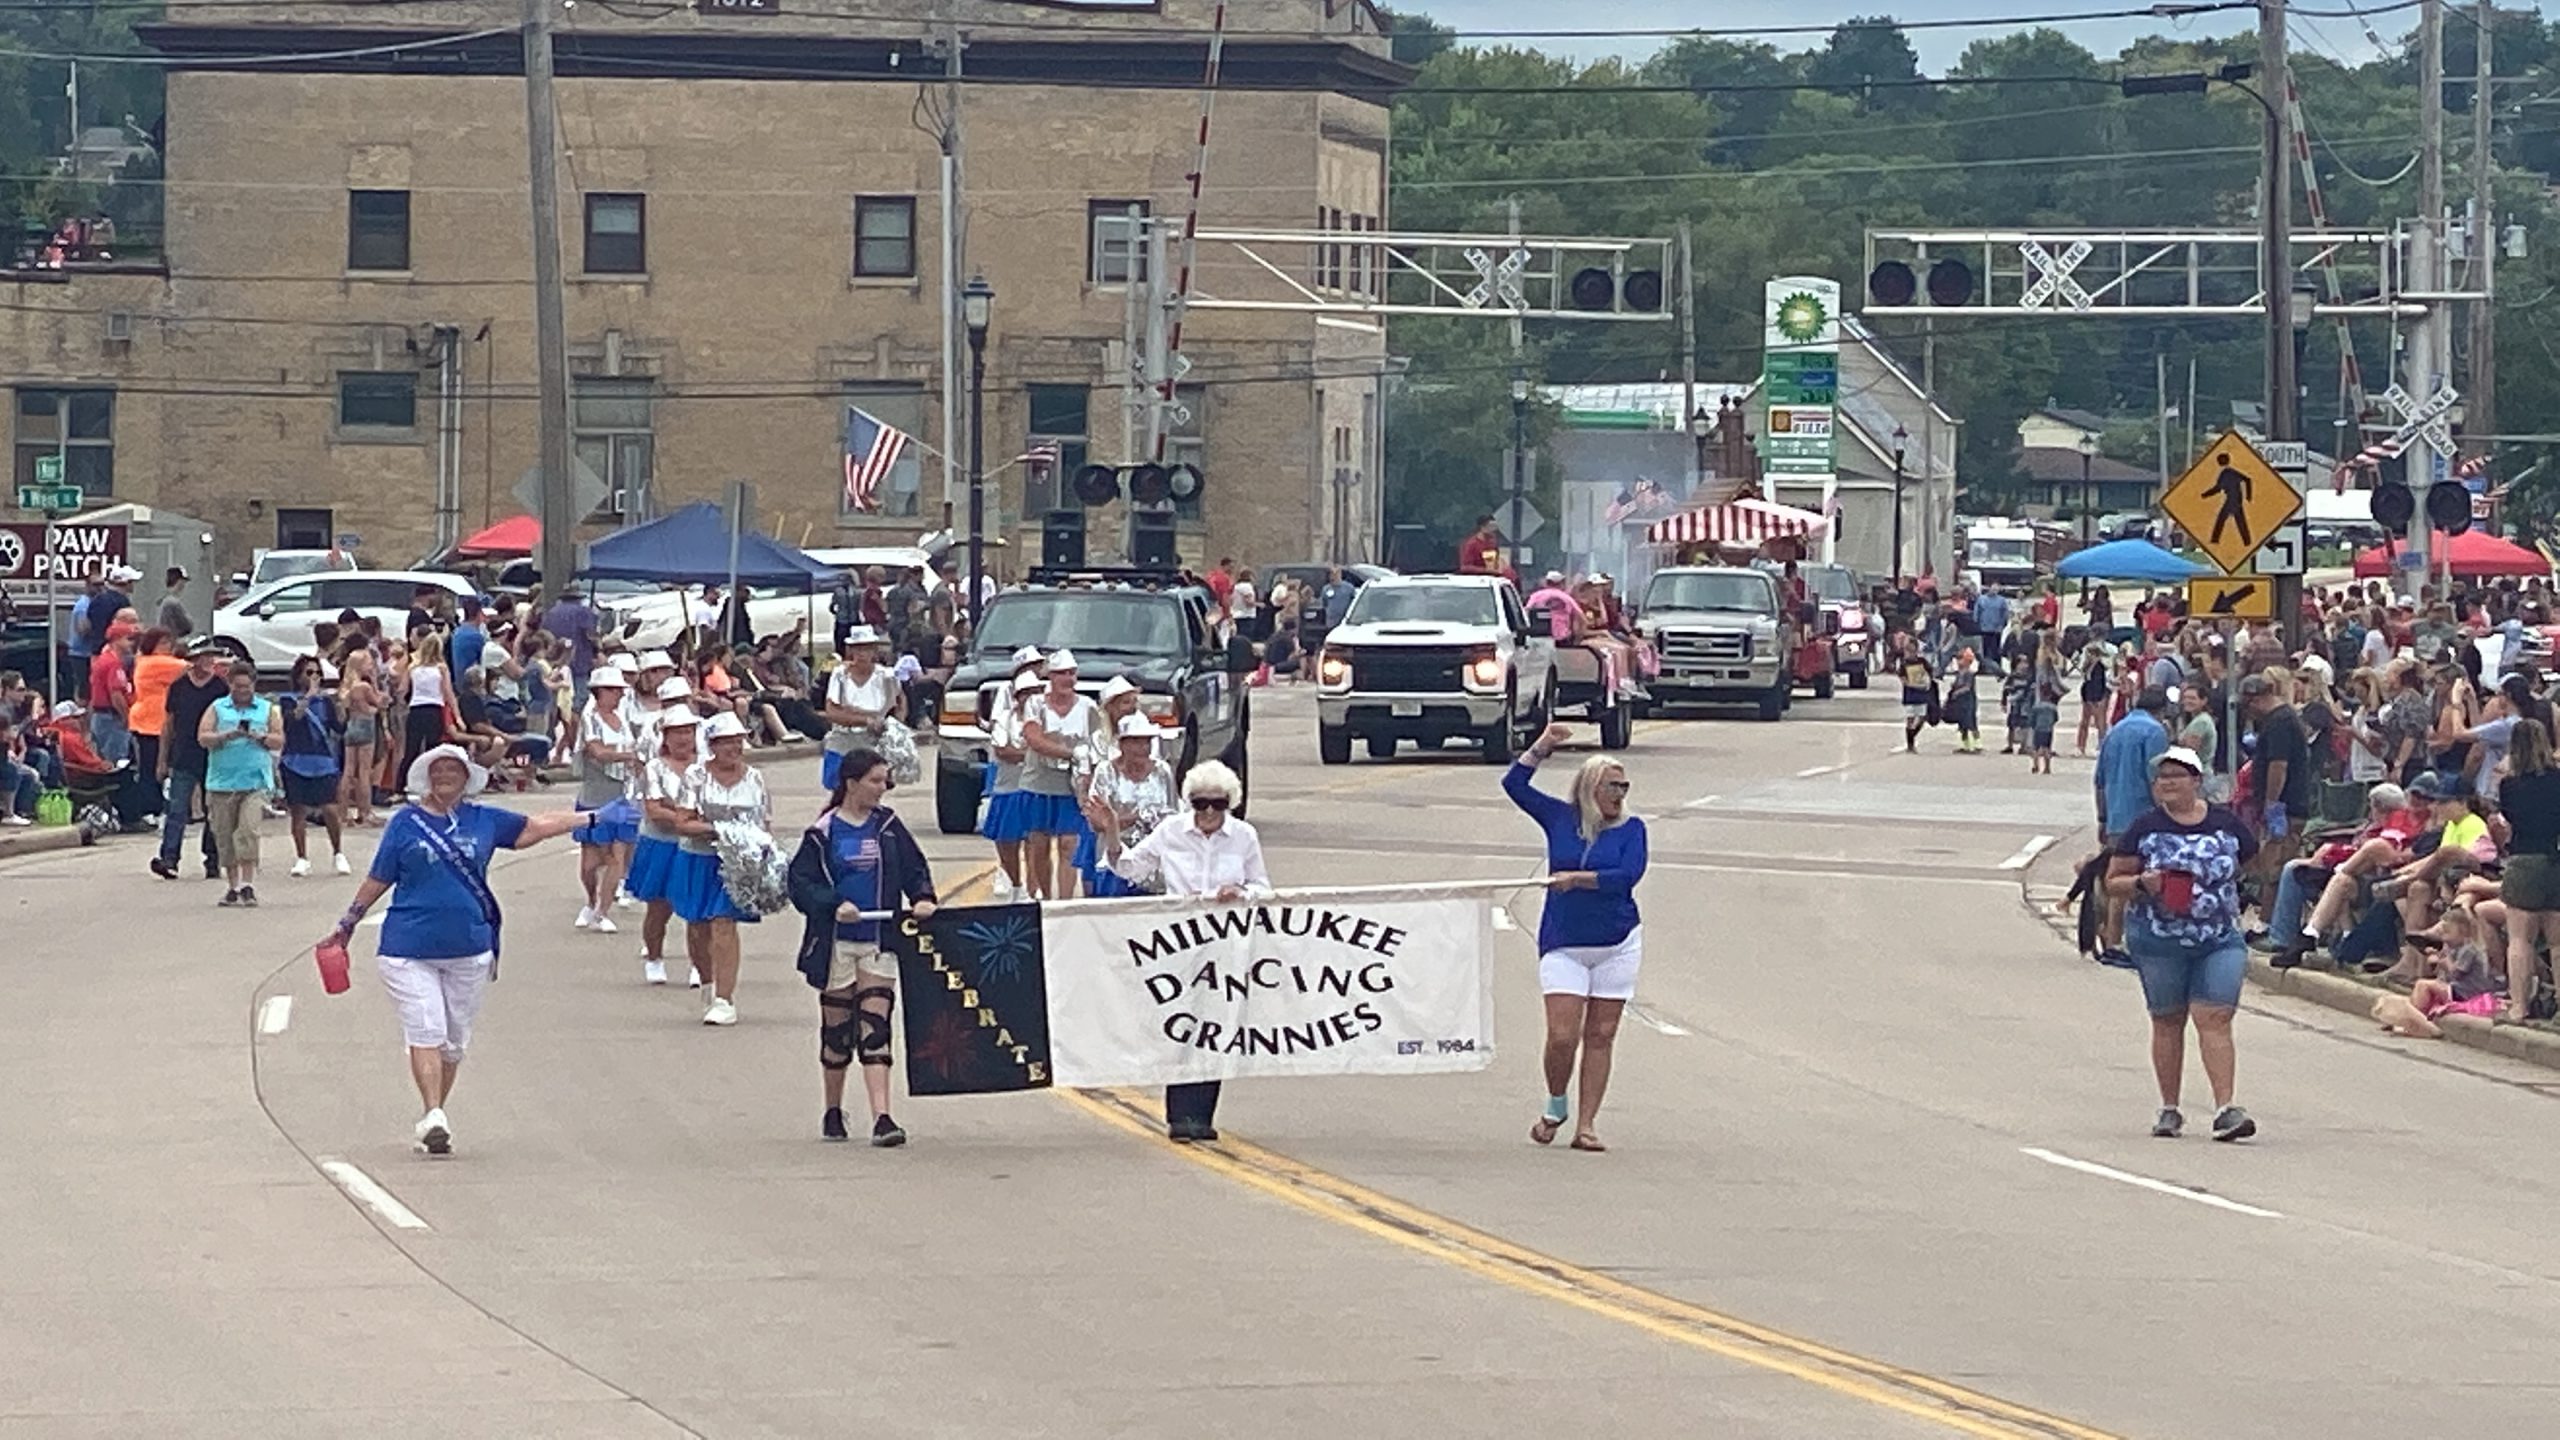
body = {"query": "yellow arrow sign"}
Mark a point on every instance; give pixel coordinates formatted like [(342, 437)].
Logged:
[(2232, 597), (2231, 501)]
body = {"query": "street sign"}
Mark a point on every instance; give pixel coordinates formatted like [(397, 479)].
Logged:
[(2230, 501), (1531, 521), (52, 560), (587, 489), (2283, 552), (2232, 597), (51, 497), (49, 469)]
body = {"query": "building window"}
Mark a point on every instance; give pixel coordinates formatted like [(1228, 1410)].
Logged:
[(1116, 243), (305, 529), (79, 426), (1057, 418), (1333, 251), (377, 229), (617, 235), (610, 434), (900, 407), (884, 236), (377, 400), (1186, 441)]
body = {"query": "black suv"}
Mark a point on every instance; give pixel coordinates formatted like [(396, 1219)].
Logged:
[(1189, 680)]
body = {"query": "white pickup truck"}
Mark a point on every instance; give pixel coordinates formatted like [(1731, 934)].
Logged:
[(1431, 658)]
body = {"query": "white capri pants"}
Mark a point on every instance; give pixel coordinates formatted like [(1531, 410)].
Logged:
[(1595, 972), (437, 999)]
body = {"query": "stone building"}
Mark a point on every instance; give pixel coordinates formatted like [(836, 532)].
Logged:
[(337, 336)]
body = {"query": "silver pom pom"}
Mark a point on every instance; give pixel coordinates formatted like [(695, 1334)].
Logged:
[(754, 871)]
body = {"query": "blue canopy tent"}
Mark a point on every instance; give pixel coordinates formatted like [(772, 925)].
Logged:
[(2127, 560), (691, 546)]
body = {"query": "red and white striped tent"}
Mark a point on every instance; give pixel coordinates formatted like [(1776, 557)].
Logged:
[(1744, 522)]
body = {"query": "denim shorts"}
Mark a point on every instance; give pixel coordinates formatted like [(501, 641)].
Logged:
[(2174, 976)]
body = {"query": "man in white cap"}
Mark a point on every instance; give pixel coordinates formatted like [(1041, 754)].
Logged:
[(115, 600)]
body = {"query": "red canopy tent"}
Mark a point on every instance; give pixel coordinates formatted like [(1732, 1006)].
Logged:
[(1746, 521), (520, 535), (2471, 554)]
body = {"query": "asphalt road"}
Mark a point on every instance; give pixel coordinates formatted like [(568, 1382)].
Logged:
[(1879, 1168)]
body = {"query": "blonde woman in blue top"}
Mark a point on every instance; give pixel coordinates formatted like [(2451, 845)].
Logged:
[(1590, 938)]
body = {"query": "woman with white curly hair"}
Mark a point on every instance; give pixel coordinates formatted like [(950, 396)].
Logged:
[(1209, 854), (1590, 939)]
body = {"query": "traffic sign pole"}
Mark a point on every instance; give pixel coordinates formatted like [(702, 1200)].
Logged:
[(52, 612)]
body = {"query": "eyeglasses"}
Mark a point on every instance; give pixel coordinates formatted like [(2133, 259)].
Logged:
[(1613, 787), (1218, 803)]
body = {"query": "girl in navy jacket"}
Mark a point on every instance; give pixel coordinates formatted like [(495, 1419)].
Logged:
[(1590, 939)]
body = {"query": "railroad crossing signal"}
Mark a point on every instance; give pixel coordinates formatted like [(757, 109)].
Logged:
[(2231, 501), (2423, 419), (2053, 275), (2233, 597)]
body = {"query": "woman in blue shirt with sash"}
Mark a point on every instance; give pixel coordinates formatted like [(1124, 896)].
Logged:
[(1590, 939), (440, 942)]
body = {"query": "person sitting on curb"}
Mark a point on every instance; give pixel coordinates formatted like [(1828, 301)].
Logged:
[(2383, 842)]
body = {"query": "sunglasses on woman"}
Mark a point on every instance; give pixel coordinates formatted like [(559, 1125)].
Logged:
[(1613, 787), (1210, 802)]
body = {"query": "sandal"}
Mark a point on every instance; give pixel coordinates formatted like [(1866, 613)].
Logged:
[(1544, 1132), (1588, 1141)]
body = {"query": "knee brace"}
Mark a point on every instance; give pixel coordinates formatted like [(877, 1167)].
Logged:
[(871, 1041), (835, 1031)]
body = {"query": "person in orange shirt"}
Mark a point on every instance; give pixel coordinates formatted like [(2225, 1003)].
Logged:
[(156, 664)]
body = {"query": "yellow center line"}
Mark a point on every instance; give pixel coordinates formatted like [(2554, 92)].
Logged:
[(1357, 1207)]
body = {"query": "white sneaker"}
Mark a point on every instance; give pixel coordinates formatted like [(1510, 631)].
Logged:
[(692, 977), (605, 926), (15, 821), (339, 864), (653, 972), (1000, 889), (435, 1137), (301, 867), (720, 1013), (586, 917), (622, 900)]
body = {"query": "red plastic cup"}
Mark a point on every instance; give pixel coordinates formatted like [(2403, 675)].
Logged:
[(2177, 894), (332, 955)]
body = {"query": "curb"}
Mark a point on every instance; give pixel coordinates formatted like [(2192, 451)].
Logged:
[(38, 842), (2347, 994)]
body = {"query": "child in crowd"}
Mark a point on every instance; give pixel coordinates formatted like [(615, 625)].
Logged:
[(2041, 720), (1963, 704), (2018, 704), (2455, 980)]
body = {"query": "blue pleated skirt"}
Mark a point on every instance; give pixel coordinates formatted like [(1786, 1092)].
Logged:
[(694, 888), (616, 822), (1052, 815), (653, 863), (1105, 883), (1003, 822)]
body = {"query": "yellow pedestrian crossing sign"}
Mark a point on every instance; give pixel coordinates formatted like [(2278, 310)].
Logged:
[(2231, 501)]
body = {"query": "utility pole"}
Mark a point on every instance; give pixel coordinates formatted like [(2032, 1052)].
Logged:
[(2480, 408), (2422, 374), (2275, 267), (952, 45), (1689, 359), (550, 330)]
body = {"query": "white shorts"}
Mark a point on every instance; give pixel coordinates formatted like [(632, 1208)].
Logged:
[(1596, 972), (854, 962), (437, 999)]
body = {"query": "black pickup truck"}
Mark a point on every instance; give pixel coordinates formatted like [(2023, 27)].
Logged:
[(1190, 681)]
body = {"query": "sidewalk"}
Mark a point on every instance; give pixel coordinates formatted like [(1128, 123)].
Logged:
[(2045, 882)]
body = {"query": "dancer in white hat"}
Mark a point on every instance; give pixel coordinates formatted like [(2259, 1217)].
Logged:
[(608, 769), (725, 789), (440, 942), (667, 801)]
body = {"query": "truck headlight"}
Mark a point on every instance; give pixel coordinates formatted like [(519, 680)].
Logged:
[(1334, 668), (1483, 669), (1165, 710)]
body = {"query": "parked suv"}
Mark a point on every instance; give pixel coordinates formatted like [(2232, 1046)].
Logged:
[(1431, 658), (1716, 631), (1191, 683), (270, 626)]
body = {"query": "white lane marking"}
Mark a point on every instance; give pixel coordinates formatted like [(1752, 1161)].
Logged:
[(275, 1013), (1702, 802), (365, 1191), (1647, 1017), (2145, 1182), (2028, 852), (1816, 770)]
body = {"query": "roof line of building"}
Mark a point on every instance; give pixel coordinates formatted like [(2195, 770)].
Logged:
[(1101, 61)]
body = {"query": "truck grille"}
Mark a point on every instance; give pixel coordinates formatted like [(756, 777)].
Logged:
[(1422, 669), (1717, 646)]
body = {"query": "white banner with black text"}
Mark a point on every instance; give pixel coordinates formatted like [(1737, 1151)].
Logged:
[(1372, 980)]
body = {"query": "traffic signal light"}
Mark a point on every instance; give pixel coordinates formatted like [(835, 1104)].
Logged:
[(1950, 284), (1149, 485), (2392, 505), (1593, 288), (1099, 485), (2449, 506)]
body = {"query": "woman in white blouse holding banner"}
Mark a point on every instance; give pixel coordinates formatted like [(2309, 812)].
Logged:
[(1211, 855)]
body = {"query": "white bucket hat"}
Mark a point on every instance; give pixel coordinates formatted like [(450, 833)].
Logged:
[(1027, 681), (626, 662), (862, 635), (1027, 655), (1060, 662), (1139, 726), (605, 677), (680, 717), (1117, 686), (657, 660), (722, 726), (418, 768), (674, 687)]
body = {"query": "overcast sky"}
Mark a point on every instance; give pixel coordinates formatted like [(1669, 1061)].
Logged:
[(2339, 38)]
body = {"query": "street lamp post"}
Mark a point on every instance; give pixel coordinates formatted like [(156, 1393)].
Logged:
[(1519, 461), (1701, 426), (2088, 490), (1901, 437), (976, 303)]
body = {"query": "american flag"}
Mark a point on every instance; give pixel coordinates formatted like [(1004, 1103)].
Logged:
[(871, 451), (1042, 456), (1642, 498)]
